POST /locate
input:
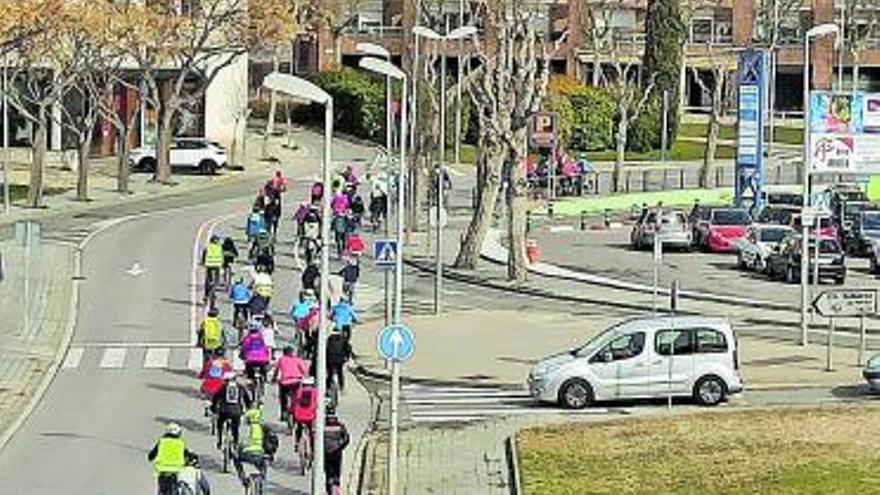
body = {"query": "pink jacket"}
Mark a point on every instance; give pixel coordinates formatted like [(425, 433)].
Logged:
[(339, 204), (290, 369), (253, 349)]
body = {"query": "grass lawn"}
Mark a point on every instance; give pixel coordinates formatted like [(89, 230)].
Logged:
[(681, 151), (785, 135), (828, 450), (18, 192)]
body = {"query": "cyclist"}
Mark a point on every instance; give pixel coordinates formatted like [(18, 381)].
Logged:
[(255, 223), (263, 244), (316, 193), (301, 306), (309, 278), (230, 403), (354, 244), (192, 477), (230, 253), (212, 260), (336, 439), (210, 335), (212, 376), (304, 408), (350, 274), (169, 456), (357, 208), (341, 227), (240, 295), (344, 317), (288, 373), (254, 353), (262, 285), (251, 450), (269, 329)]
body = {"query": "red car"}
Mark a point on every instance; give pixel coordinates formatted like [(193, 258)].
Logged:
[(826, 227), (726, 227)]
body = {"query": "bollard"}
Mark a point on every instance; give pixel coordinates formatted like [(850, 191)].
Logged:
[(550, 209), (673, 296), (583, 220), (607, 217)]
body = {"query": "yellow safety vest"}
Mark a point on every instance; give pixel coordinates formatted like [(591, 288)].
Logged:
[(255, 439), (263, 286), (170, 456), (212, 333), (214, 255)]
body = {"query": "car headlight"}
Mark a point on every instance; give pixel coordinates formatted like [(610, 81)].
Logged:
[(873, 362), (543, 371)]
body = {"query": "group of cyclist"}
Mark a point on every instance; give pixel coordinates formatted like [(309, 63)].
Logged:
[(234, 399)]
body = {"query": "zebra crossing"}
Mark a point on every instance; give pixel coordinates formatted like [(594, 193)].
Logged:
[(457, 404), (109, 357)]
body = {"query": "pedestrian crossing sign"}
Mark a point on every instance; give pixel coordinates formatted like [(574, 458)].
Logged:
[(385, 253)]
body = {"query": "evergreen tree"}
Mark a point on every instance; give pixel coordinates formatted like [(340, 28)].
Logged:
[(665, 35)]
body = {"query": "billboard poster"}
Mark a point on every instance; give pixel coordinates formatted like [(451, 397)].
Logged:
[(750, 128), (844, 132)]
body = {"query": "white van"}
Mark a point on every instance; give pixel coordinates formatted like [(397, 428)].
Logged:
[(643, 358)]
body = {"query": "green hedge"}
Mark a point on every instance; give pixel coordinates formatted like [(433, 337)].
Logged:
[(585, 114)]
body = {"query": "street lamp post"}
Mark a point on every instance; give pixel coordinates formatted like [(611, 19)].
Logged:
[(391, 71), (304, 90), (818, 31), (456, 34), (379, 51)]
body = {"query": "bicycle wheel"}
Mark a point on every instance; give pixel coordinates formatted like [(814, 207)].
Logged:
[(227, 455)]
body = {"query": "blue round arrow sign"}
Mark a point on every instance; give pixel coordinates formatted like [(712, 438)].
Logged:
[(396, 343)]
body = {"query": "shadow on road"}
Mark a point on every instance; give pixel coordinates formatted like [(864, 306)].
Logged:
[(201, 426), (189, 391)]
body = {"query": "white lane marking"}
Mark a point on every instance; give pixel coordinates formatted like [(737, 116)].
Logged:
[(467, 394), (417, 389), (499, 400), (135, 345), (561, 228), (73, 357), (156, 357), (195, 359), (436, 416), (201, 238), (113, 357)]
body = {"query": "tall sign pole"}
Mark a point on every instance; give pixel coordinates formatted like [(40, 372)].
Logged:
[(749, 182)]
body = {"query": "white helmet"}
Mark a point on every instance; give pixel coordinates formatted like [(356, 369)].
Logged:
[(173, 429)]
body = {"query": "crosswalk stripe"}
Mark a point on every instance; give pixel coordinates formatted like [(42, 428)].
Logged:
[(195, 359), (113, 357), (156, 357), (73, 357)]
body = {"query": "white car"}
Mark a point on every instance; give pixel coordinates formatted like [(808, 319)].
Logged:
[(759, 242), (644, 358), (198, 154)]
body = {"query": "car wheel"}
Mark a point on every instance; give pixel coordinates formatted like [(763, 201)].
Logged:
[(789, 275), (873, 264), (147, 165), (208, 167), (710, 390), (575, 393), (840, 280)]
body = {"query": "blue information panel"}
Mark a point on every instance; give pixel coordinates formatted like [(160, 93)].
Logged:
[(749, 184), (396, 343)]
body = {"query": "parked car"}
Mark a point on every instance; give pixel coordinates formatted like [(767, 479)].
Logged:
[(642, 358), (781, 198), (846, 217), (860, 238), (759, 242), (874, 259), (839, 194), (778, 214), (726, 227), (784, 263), (871, 372), (671, 225), (826, 227), (198, 154)]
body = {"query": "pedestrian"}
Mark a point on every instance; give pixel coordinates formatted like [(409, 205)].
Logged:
[(338, 353), (336, 439)]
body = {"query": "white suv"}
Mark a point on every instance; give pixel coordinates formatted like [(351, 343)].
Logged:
[(192, 153), (643, 358)]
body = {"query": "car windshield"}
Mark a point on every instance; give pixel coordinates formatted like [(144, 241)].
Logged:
[(871, 221), (776, 215), (773, 235), (783, 198), (826, 246), (594, 343), (673, 220), (853, 208), (731, 217)]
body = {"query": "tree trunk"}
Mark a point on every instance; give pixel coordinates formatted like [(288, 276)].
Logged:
[(35, 188), (622, 129), (857, 67), (273, 106), (517, 267), (708, 168), (82, 173), (162, 174), (487, 196), (597, 66), (122, 166)]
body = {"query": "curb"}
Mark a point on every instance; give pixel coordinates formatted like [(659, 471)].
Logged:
[(513, 474)]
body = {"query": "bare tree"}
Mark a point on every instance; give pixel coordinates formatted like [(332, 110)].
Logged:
[(862, 22), (630, 99), (598, 30), (714, 85)]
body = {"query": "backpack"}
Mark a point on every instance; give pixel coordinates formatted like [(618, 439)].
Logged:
[(232, 395), (270, 442), (305, 404)]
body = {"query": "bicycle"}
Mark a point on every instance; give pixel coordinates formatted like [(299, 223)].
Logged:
[(334, 486), (227, 444), (211, 282), (305, 251), (254, 483), (304, 451)]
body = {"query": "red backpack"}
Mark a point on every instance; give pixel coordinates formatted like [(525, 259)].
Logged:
[(305, 404)]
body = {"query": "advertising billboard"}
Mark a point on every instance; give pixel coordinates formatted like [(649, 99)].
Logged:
[(844, 132)]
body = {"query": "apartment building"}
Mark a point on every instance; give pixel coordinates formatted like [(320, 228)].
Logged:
[(602, 32)]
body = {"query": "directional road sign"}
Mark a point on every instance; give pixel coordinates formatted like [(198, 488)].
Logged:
[(385, 253), (846, 302), (396, 343)]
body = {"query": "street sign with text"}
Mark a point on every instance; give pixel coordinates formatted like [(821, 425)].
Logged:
[(846, 302)]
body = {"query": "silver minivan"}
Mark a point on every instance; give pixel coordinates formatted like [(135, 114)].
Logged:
[(643, 358)]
